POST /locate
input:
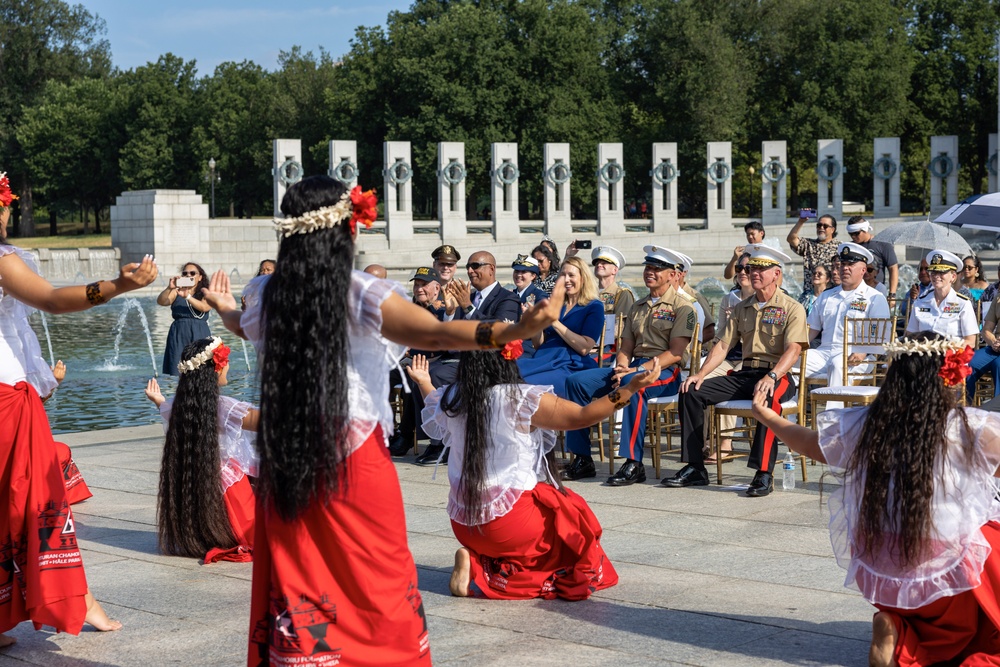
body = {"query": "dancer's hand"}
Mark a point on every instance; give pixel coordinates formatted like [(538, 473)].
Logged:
[(418, 370), (59, 371), (153, 392), (762, 412), (642, 380), (543, 313), (136, 275), (218, 295)]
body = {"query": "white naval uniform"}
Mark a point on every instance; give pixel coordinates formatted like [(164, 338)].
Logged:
[(953, 317), (827, 316)]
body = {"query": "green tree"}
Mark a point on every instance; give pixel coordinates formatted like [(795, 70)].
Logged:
[(41, 41)]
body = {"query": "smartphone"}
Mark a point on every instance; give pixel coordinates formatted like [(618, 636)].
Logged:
[(807, 213), (185, 282), (583, 245)]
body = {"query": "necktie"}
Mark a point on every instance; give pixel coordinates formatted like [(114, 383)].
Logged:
[(477, 299)]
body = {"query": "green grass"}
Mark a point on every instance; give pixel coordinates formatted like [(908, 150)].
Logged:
[(64, 241)]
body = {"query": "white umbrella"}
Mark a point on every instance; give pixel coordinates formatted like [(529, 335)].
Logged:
[(976, 212), (925, 234)]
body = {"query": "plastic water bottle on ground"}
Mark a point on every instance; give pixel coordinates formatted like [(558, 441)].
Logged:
[(788, 472)]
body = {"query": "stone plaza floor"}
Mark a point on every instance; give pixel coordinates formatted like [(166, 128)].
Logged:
[(708, 577)]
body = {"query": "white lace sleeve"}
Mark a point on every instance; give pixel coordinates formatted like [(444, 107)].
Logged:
[(235, 444), (527, 406), (435, 421), (252, 321), (838, 431), (166, 407)]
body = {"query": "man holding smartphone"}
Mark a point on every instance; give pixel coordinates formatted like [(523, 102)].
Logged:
[(814, 252)]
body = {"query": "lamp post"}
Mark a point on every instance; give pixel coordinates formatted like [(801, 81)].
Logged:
[(211, 178), (751, 170)]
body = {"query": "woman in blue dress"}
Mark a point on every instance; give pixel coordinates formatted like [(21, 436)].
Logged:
[(189, 311), (565, 347)]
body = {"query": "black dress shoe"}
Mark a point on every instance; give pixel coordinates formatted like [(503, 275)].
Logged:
[(430, 456), (580, 468), (400, 444), (687, 476), (630, 473), (762, 485)]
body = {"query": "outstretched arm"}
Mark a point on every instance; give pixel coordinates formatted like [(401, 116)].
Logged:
[(799, 438), (219, 296)]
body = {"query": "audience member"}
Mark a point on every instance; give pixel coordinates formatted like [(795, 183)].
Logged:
[(701, 306), (376, 270), (184, 295), (987, 358), (942, 309), (616, 295), (548, 268), (860, 231), (972, 277), (445, 259), (821, 281), (816, 252), (755, 234)]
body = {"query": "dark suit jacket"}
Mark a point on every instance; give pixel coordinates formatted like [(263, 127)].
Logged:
[(500, 305)]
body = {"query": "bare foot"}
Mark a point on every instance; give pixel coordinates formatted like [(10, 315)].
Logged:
[(6, 641), (97, 618), (884, 638), (462, 574)]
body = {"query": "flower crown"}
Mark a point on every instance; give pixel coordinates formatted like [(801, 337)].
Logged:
[(216, 351), (356, 205), (957, 355), (6, 196)]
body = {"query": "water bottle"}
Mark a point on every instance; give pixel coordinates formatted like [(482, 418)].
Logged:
[(788, 472)]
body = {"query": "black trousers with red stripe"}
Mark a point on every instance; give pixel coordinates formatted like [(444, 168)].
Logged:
[(738, 386)]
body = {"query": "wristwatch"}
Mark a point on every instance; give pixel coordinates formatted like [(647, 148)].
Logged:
[(468, 309), (772, 375)]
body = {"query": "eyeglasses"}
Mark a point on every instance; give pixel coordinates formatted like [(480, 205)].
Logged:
[(475, 266), (820, 225), (189, 274), (969, 268), (742, 268)]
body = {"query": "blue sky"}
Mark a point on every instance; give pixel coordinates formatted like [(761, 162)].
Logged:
[(216, 31)]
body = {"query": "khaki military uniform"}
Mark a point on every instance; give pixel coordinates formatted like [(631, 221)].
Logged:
[(618, 299)]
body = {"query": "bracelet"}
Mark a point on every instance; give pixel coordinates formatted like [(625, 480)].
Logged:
[(616, 398), (94, 295), (484, 336)]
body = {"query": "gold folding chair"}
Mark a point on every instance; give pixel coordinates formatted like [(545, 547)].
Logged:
[(867, 335), (796, 406), (664, 411)]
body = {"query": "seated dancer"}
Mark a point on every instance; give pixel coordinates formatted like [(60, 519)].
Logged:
[(205, 506), (915, 522), (520, 539)]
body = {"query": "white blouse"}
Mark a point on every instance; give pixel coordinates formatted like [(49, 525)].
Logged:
[(516, 460), (237, 448), (964, 500), (20, 355), (370, 356)]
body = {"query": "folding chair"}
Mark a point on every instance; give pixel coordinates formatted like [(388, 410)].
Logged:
[(665, 408), (869, 336)]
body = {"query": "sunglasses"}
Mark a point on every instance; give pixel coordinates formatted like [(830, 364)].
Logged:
[(820, 225), (475, 266), (189, 274), (742, 269), (853, 234), (871, 269), (969, 268)]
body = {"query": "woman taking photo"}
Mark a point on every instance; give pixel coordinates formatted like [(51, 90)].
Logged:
[(30, 470), (521, 538), (327, 337), (205, 506), (548, 267), (184, 294), (942, 309), (565, 347), (914, 522)]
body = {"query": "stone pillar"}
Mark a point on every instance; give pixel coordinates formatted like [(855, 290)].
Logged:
[(664, 187), (287, 168), (610, 190), (557, 177), (344, 163), (944, 173), (992, 165), (720, 188), (830, 178), (398, 187), (451, 190), (504, 177), (885, 177), (773, 196)]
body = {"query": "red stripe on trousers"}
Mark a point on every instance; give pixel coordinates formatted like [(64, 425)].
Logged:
[(639, 411), (765, 456)]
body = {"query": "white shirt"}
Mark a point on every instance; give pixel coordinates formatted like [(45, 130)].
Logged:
[(20, 355), (963, 500), (953, 317), (516, 458), (371, 356), (833, 305)]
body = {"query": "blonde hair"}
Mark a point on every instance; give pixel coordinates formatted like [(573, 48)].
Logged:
[(588, 284)]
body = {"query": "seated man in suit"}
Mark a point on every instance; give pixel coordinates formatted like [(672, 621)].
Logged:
[(482, 298)]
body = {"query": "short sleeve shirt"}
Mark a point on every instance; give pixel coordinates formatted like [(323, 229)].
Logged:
[(651, 326), (885, 256), (767, 331), (953, 317), (814, 254), (618, 299), (832, 306)]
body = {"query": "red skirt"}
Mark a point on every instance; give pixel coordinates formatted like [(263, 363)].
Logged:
[(338, 585), (42, 576), (240, 508), (547, 546), (76, 489), (962, 629)]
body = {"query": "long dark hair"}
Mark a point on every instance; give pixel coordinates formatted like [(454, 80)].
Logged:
[(549, 255), (201, 285), (903, 435), (303, 389), (191, 515), (478, 373)]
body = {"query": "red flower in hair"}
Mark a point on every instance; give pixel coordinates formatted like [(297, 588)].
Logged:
[(956, 368), (220, 356), (512, 350), (365, 208), (6, 196)]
